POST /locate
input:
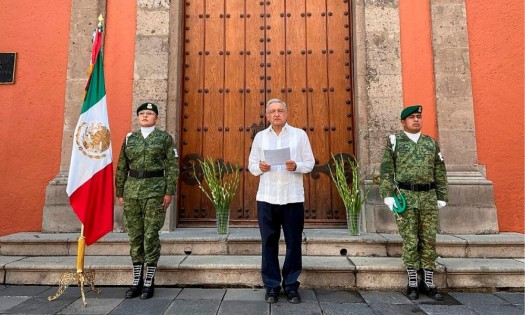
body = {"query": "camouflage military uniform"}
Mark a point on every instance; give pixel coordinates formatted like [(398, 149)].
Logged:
[(143, 197), (416, 163)]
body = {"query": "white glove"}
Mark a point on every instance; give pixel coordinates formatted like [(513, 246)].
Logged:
[(389, 201), (441, 204)]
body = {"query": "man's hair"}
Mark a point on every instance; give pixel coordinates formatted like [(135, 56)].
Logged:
[(276, 100)]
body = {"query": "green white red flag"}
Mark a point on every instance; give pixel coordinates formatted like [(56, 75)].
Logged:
[(90, 181)]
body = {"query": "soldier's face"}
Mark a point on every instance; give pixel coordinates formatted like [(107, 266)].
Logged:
[(412, 123), (147, 118)]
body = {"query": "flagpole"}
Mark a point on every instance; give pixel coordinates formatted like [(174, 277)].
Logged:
[(81, 276), (80, 250)]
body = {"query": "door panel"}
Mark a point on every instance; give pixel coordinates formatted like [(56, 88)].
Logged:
[(339, 70), (192, 108), (213, 107), (295, 92), (255, 78), (235, 98), (238, 54), (275, 26)]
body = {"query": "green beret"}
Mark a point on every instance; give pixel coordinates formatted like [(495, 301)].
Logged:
[(410, 110), (149, 106)]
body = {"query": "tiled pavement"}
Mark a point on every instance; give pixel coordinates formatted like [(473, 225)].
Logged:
[(225, 301)]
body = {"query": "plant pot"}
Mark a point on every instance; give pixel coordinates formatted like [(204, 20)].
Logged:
[(222, 218), (353, 220)]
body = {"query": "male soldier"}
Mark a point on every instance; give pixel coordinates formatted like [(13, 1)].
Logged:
[(414, 163), (146, 180)]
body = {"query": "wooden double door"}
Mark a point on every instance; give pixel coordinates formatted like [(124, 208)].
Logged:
[(237, 55)]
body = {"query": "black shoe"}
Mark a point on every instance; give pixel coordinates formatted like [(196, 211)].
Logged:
[(293, 296), (136, 287), (133, 292), (149, 283), (432, 293), (412, 293), (147, 292), (271, 296)]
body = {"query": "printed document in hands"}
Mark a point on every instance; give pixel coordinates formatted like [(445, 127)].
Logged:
[(277, 157)]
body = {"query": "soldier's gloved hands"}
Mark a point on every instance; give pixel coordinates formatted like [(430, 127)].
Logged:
[(441, 204), (389, 201)]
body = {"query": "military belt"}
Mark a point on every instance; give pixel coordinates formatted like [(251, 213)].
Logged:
[(146, 174), (416, 187)]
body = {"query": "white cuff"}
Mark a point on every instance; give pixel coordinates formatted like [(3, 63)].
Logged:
[(441, 204), (389, 201)]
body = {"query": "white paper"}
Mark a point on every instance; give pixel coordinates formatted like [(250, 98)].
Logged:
[(277, 157)]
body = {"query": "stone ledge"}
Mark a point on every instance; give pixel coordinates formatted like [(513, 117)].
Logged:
[(377, 273), (246, 241), (484, 273)]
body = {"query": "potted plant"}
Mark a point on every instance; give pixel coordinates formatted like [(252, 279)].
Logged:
[(222, 181), (348, 189)]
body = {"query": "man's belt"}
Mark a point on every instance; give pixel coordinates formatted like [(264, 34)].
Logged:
[(416, 187), (146, 174)]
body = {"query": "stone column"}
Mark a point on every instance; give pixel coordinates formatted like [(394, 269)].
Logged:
[(471, 207), (157, 67), (58, 216), (379, 93)]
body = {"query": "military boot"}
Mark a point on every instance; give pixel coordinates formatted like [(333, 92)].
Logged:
[(149, 282), (412, 289), (427, 285), (138, 282)]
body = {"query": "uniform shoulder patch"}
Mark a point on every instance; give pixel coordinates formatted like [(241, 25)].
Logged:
[(127, 136)]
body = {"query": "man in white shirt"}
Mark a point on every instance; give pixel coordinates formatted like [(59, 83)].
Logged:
[(280, 199)]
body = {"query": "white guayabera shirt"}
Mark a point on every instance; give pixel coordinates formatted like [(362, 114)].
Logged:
[(279, 186)]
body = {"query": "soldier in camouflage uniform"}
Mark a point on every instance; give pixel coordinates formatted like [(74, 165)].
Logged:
[(146, 181), (414, 163)]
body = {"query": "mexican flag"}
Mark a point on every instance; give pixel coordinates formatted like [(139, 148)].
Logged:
[(90, 181)]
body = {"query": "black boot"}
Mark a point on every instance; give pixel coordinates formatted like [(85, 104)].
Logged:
[(149, 283), (138, 282), (427, 285), (412, 289)]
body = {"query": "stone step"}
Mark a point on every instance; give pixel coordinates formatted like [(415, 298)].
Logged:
[(338, 272), (246, 241)]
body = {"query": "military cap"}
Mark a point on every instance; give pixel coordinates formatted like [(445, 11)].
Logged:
[(407, 111), (149, 106)]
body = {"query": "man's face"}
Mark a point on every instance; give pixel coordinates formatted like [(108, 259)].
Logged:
[(147, 118), (412, 123), (276, 115)]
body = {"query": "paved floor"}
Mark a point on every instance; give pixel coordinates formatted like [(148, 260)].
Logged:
[(33, 300)]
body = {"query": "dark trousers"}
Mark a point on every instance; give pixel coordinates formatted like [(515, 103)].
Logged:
[(271, 218)]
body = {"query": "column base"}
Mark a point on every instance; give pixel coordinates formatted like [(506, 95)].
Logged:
[(470, 210)]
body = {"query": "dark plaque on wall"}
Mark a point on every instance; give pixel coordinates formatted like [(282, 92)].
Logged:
[(7, 68)]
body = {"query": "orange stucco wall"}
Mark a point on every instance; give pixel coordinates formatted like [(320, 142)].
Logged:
[(33, 107), (495, 31), (416, 60), (119, 54)]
